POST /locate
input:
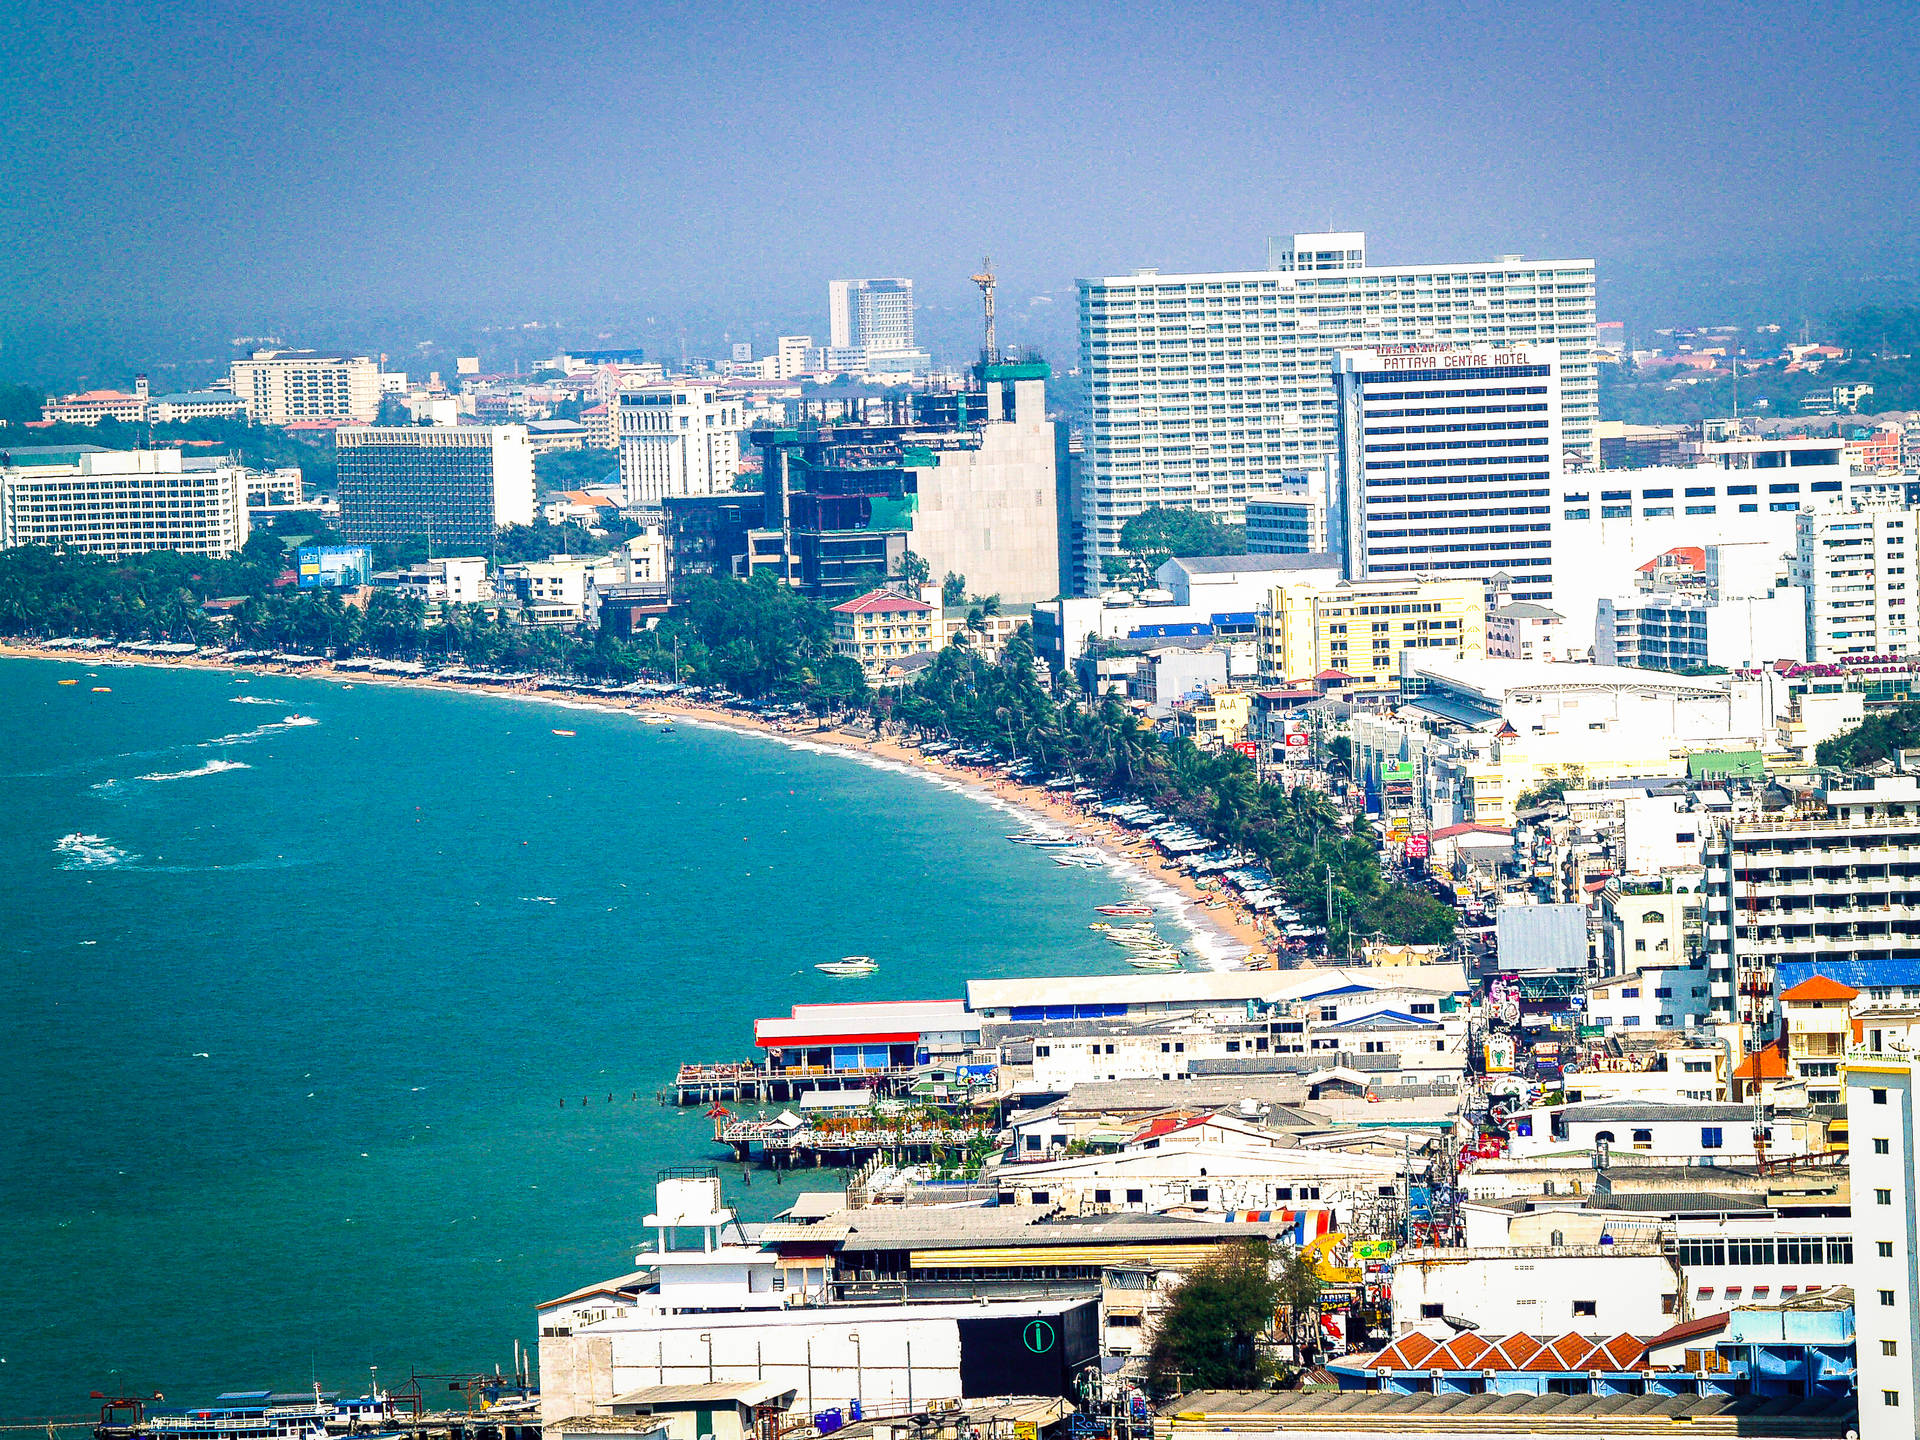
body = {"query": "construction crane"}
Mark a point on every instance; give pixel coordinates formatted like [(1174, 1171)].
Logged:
[(985, 280)]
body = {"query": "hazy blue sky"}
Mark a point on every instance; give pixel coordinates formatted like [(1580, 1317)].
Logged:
[(720, 161)]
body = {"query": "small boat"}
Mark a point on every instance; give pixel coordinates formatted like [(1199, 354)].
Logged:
[(654, 717), (1123, 909), (67, 682), (563, 732), (103, 689), (1154, 962), (849, 965)]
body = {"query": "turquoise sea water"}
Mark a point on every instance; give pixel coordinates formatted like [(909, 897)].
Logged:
[(294, 977)]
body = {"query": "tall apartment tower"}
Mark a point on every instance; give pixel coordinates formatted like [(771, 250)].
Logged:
[(871, 315), (1857, 567), (678, 439), (454, 485), (1206, 390), (281, 386), (1449, 463)]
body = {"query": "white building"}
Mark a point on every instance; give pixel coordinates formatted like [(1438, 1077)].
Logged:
[(449, 580), (678, 439), (122, 502), (1450, 462), (279, 386), (873, 315), (1678, 630), (1223, 585), (1857, 567), (1694, 1132), (1739, 491), (1654, 999), (454, 485), (790, 356), (1525, 631), (1478, 733), (1208, 390), (1553, 1290), (1882, 1161)]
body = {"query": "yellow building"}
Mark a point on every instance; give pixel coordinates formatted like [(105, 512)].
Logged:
[(1361, 627), (882, 625), (1223, 718)]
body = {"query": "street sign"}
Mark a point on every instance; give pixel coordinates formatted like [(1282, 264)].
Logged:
[(1248, 748)]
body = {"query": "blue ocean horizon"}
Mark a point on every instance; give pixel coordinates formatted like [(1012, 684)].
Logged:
[(298, 973)]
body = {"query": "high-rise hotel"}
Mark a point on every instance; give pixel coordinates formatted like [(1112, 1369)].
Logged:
[(1449, 463), (1207, 390)]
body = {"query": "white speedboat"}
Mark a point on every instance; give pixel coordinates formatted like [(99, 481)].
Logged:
[(850, 965)]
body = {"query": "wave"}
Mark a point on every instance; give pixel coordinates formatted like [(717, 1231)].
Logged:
[(90, 852), (212, 767), (259, 732), (254, 700)]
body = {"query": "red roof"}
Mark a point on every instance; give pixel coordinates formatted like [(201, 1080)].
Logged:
[(1471, 827), (1333, 675), (1692, 556), (878, 602), (1820, 987), (1690, 1330), (1769, 1061), (1471, 1351)]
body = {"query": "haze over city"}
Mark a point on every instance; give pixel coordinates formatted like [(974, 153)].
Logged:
[(661, 173)]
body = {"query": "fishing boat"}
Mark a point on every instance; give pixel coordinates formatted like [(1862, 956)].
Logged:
[(1123, 909), (563, 732), (849, 965), (69, 682), (654, 717)]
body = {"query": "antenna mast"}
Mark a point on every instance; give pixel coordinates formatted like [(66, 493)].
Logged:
[(985, 280)]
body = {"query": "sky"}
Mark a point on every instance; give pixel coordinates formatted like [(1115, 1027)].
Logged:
[(211, 169)]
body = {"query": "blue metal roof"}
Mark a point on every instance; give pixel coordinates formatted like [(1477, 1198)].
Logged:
[(1860, 974)]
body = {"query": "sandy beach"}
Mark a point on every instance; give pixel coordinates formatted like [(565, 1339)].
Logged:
[(1227, 936)]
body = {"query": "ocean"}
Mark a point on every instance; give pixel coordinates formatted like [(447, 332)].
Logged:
[(296, 975)]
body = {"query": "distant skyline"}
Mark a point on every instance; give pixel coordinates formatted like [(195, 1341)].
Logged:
[(193, 170)]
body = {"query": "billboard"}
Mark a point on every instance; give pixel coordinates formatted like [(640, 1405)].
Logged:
[(1417, 847), (333, 566), (1247, 748)]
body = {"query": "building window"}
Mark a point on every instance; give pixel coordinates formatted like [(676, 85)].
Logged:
[(1879, 1097), (1883, 1197), (1197, 1194), (1136, 1197), (1710, 1137), (1584, 1307), (1880, 1146), (1889, 1347), (1103, 1197), (1890, 1397), (1041, 1197), (1886, 1297), (1884, 1248), (1430, 1311)]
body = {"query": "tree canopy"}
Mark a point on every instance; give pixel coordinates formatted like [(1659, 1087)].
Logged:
[(1880, 736), (1210, 1336), (1158, 534)]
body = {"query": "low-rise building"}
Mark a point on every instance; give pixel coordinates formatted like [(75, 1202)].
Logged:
[(882, 625), (1523, 630)]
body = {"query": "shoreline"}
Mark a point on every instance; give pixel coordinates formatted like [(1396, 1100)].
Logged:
[(1229, 937)]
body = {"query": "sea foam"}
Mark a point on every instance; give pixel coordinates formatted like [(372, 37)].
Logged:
[(212, 767), (89, 852)]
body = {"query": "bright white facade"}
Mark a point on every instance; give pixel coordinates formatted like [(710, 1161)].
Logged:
[(1207, 390), (873, 315), (1652, 1000), (678, 439), (124, 502), (281, 386), (1881, 1160), (1672, 630), (1857, 567), (1525, 631), (1450, 460), (1582, 1289)]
